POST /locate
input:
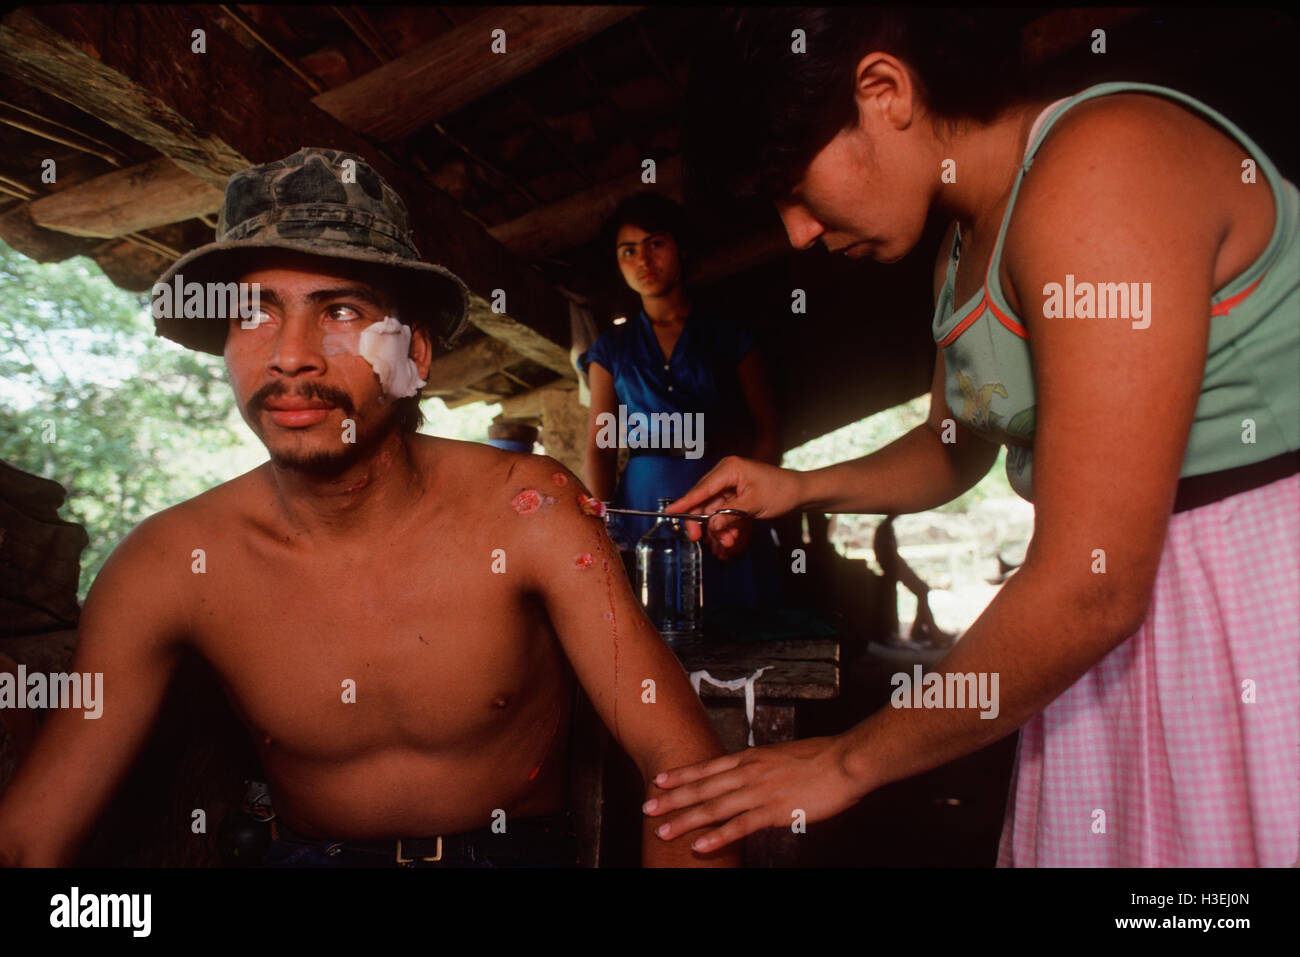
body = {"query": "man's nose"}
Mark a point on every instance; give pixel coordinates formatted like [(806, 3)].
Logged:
[(800, 226), (297, 348)]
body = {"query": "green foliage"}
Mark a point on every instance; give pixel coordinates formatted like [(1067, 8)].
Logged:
[(90, 398)]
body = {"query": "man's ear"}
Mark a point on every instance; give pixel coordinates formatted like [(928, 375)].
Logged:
[(421, 349)]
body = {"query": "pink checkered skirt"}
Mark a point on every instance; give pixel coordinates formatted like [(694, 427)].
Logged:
[(1181, 748)]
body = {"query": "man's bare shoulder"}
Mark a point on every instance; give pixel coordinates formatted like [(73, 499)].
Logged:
[(165, 537), (152, 569), (530, 501), (242, 496), (495, 476)]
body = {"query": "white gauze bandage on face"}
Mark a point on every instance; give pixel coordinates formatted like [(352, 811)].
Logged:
[(386, 345)]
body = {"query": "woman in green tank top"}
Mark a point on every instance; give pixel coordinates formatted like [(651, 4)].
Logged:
[(1117, 302)]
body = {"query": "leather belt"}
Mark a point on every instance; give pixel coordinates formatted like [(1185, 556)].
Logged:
[(524, 838), (1195, 491)]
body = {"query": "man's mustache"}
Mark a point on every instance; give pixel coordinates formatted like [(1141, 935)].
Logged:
[(307, 390)]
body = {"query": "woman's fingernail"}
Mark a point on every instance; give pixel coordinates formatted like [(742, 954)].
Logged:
[(663, 830), (700, 845), (661, 777), (650, 805)]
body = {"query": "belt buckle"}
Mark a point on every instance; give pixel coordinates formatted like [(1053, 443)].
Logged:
[(411, 860)]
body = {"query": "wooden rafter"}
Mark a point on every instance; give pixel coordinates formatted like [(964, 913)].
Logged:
[(657, 60), (602, 94), (540, 125), (480, 359), (142, 197), (458, 67), (48, 129), (361, 27), (315, 84), (576, 219)]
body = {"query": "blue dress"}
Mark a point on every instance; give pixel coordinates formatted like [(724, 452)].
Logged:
[(699, 377)]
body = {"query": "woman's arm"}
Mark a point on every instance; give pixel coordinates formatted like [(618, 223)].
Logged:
[(1115, 406), (601, 471), (914, 473)]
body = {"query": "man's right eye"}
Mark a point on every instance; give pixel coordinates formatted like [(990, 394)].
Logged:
[(258, 318)]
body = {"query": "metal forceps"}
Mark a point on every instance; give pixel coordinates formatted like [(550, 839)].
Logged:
[(695, 518)]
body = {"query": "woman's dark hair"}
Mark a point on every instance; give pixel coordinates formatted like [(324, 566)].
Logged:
[(652, 212), (759, 110)]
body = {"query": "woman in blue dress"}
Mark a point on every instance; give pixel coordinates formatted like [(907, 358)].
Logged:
[(674, 358)]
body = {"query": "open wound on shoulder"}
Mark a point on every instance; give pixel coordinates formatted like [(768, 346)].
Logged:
[(529, 501)]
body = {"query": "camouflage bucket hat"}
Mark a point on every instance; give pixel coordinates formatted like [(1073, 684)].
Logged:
[(325, 203)]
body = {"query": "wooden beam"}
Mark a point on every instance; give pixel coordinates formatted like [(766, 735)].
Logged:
[(90, 56), (438, 78), (42, 245), (142, 197), (577, 219), (313, 84), (32, 52), (470, 395), (364, 30), (658, 62), (545, 133), (464, 367), (564, 428), (527, 342), (528, 405), (17, 188), (56, 132), (129, 265)]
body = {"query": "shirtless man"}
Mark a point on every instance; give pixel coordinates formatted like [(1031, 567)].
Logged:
[(391, 616)]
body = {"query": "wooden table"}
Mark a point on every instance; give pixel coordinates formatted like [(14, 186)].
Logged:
[(801, 671)]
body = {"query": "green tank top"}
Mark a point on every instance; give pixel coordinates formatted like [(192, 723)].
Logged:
[(1252, 366)]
